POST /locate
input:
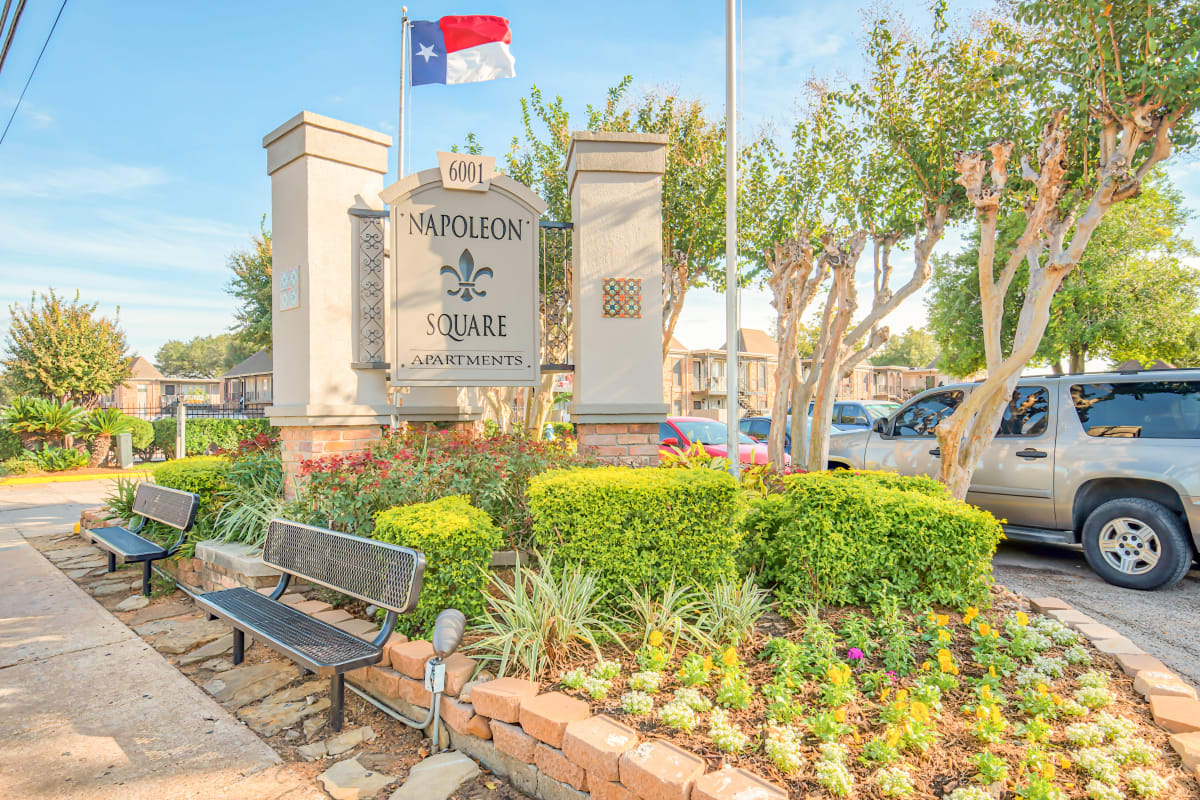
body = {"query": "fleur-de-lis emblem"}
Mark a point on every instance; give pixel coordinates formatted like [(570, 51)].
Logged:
[(467, 276)]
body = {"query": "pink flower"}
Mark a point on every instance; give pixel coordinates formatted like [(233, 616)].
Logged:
[(855, 654)]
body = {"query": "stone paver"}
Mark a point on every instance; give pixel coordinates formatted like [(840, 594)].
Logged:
[(437, 777), (214, 648), (1133, 663), (1071, 618), (133, 603), (187, 635), (513, 741), (1096, 632), (735, 784), (248, 683), (166, 610), (459, 669), (346, 741), (501, 699), (284, 709), (1117, 646), (597, 744), (312, 606), (1176, 714), (1043, 605), (546, 716), (349, 780), (410, 657), (658, 770)]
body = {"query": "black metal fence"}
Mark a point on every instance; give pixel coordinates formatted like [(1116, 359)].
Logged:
[(194, 411)]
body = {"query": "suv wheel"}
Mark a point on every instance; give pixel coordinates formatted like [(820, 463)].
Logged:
[(1136, 543)]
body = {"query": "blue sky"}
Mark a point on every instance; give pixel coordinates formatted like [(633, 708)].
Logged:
[(135, 164)]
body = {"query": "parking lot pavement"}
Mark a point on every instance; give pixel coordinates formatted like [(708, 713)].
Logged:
[(1164, 623)]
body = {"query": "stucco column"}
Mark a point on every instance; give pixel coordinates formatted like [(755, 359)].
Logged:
[(615, 182), (320, 168)]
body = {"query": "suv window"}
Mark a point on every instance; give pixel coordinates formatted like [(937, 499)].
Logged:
[(760, 429), (920, 418), (1139, 409), (1026, 413), (665, 431)]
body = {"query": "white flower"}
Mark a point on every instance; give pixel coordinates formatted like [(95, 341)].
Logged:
[(1146, 783), (968, 793), (895, 782), (637, 703), (783, 748), (835, 777)]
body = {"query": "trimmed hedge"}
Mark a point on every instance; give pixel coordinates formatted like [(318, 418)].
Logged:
[(142, 434), (202, 433), (642, 526), (10, 444), (839, 538), (202, 475), (457, 540), (922, 484)]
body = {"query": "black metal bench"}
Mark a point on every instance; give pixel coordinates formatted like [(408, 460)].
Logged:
[(171, 507), (386, 575)]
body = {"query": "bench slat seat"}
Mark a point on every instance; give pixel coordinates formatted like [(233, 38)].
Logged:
[(127, 544), (316, 645)]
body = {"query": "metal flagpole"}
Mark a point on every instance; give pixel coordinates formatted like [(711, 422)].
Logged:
[(403, 90), (731, 287)]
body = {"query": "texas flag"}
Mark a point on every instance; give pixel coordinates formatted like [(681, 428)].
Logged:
[(461, 50)]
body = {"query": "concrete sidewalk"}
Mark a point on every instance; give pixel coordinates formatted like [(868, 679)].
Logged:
[(89, 710)]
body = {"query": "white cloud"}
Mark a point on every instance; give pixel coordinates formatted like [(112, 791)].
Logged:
[(77, 181)]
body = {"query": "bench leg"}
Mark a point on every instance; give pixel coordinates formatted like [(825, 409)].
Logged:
[(112, 562), (146, 578), (337, 687), (239, 645)]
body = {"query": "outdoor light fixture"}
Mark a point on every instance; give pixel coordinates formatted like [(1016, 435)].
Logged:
[(448, 632)]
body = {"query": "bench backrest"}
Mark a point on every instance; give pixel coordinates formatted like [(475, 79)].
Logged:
[(168, 506), (384, 574)]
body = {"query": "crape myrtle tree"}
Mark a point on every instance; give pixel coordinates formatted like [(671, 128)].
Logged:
[(891, 131), (1112, 89), (1132, 296), (250, 286), (63, 351)]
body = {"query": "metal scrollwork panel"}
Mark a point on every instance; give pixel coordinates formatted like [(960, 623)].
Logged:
[(371, 293)]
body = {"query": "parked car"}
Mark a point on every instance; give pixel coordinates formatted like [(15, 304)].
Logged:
[(848, 415), (1110, 461), (680, 433)]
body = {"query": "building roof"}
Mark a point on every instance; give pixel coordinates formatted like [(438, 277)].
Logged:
[(143, 370), (752, 340), (261, 363), (675, 345)]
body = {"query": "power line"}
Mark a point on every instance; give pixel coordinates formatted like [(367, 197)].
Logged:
[(35, 65), (8, 40)]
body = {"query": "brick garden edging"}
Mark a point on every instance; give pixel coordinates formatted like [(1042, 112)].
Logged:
[(1173, 702)]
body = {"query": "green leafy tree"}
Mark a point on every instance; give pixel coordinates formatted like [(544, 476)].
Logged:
[(62, 351), (251, 287), (915, 347), (1084, 99), (1131, 296), (199, 357)]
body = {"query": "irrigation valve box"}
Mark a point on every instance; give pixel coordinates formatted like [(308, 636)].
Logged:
[(435, 677)]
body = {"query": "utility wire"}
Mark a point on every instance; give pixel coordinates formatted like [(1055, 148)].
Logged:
[(35, 65), (8, 40)]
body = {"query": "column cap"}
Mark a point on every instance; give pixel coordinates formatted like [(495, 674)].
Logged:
[(309, 134), (610, 151)]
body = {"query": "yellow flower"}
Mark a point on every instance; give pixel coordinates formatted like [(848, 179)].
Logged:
[(1057, 698), (997, 717), (971, 614), (708, 664), (893, 737), (729, 657), (1064, 762), (1022, 618), (985, 629), (656, 639), (884, 692), (1042, 689), (919, 711), (1048, 772), (985, 693), (839, 714), (857, 738), (943, 635), (925, 666), (943, 620), (901, 695), (992, 671)]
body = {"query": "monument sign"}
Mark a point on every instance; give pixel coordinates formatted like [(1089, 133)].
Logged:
[(465, 271)]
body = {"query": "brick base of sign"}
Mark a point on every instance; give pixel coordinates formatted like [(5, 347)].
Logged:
[(299, 443), (633, 444)]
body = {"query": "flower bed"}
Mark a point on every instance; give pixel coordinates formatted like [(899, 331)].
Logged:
[(1002, 704)]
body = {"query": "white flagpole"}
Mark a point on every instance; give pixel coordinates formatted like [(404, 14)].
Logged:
[(731, 286), (403, 90)]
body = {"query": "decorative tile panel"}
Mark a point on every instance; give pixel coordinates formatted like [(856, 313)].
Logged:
[(370, 290), (289, 289), (623, 298)]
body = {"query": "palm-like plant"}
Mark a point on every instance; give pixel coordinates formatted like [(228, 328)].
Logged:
[(50, 422), (101, 426)]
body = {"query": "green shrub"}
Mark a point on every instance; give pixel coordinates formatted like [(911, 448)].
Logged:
[(10, 444), (886, 480), (202, 433), (843, 539), (638, 526), (57, 459), (457, 540), (201, 475), (142, 434), (21, 464)]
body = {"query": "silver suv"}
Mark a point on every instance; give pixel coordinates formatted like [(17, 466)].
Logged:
[(1107, 460)]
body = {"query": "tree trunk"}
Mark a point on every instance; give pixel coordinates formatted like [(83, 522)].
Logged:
[(1078, 359), (829, 374), (100, 447)]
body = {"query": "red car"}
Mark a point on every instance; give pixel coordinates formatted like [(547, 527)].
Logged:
[(679, 433)]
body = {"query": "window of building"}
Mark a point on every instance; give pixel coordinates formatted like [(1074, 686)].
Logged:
[(696, 405)]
